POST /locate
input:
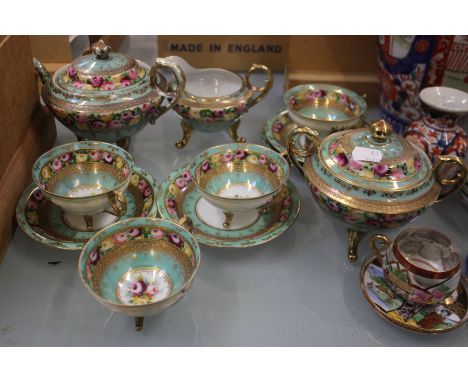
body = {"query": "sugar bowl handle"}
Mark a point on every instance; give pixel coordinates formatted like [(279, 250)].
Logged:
[(455, 182), (293, 151), (160, 84), (262, 90), (380, 245)]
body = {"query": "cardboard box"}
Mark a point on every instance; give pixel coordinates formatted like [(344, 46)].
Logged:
[(349, 61), (236, 53)]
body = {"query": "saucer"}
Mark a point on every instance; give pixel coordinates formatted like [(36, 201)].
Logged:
[(48, 224), (437, 318), (178, 197)]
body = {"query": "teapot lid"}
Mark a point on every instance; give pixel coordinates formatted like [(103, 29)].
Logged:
[(375, 158), (102, 70)]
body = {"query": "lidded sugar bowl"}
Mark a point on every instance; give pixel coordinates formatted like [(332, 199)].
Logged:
[(214, 99), (109, 96), (372, 178)]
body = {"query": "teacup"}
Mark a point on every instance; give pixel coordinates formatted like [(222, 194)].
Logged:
[(421, 265), (239, 177), (139, 267), (85, 177), (325, 108)]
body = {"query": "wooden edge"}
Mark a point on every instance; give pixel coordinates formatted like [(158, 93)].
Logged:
[(38, 138)]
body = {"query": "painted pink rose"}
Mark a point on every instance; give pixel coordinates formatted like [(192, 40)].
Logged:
[(341, 159), (137, 288), (355, 165), (187, 177), (314, 94), (283, 218), (218, 113), (125, 171), (38, 195), (127, 115), (146, 107), (241, 154), (292, 101), (277, 126), (115, 124), (132, 74), (209, 119), (33, 204), (96, 81), (121, 238), (65, 157), (242, 108), (134, 232), (438, 294), (228, 157), (332, 147), (272, 167), (77, 84), (417, 164), (56, 165), (71, 72), (151, 290), (81, 118), (175, 239), (170, 202), (206, 166), (180, 182), (287, 202), (335, 207), (147, 192), (344, 98), (420, 297), (95, 154), (125, 82), (99, 124), (107, 85), (171, 211), (142, 185), (156, 233), (380, 169), (263, 160), (397, 173), (372, 223), (94, 257), (108, 157)]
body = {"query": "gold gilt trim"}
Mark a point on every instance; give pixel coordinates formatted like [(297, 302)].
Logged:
[(203, 178), (80, 168), (408, 151), (130, 62), (68, 106), (374, 206), (216, 103), (141, 245), (327, 103)]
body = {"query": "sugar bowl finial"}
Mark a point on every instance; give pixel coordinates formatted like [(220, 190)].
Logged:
[(101, 50), (380, 130)]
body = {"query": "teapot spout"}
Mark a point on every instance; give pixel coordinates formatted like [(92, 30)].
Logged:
[(42, 71), (181, 63)]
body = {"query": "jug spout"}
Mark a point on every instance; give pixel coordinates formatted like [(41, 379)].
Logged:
[(42, 71), (181, 63)]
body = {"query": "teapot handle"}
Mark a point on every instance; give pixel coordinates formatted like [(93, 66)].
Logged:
[(160, 84), (456, 182), (379, 244), (262, 90), (293, 150)]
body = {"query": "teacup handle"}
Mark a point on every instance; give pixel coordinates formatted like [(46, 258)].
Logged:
[(457, 182), (159, 83), (118, 203), (186, 222), (380, 244), (293, 151), (262, 90)]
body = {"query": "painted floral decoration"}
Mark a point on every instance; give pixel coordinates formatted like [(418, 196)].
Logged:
[(304, 97)]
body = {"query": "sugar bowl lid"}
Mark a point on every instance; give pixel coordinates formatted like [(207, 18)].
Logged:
[(375, 157), (102, 70)]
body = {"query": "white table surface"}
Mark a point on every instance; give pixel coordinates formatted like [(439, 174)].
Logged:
[(298, 290)]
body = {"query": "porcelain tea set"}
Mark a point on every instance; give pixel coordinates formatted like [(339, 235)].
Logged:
[(90, 196)]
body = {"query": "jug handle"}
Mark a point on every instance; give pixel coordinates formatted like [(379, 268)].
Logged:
[(379, 244), (262, 90), (293, 151), (457, 182), (160, 84)]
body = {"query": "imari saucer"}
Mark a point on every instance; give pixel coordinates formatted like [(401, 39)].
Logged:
[(178, 198), (437, 318), (48, 224)]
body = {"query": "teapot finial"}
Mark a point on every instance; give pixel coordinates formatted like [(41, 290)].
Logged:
[(101, 50), (380, 130)]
